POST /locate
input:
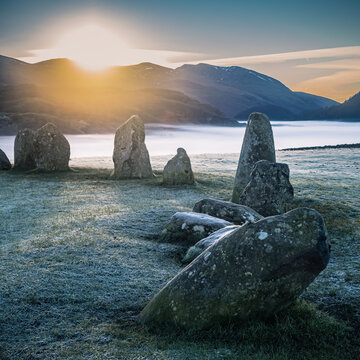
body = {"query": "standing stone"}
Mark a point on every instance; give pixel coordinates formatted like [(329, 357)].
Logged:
[(190, 227), (254, 272), (4, 161), (130, 156), (269, 191), (178, 170), (24, 152), (52, 150), (258, 144), (235, 213)]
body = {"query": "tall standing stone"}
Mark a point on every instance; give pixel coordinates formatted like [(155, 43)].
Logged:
[(258, 144), (4, 161), (252, 272), (24, 152), (130, 156), (178, 170), (52, 150)]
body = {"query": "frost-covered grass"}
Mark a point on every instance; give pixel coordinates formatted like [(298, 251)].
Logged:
[(79, 260)]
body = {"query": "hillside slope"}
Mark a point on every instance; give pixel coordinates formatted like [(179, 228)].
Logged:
[(350, 109), (98, 110)]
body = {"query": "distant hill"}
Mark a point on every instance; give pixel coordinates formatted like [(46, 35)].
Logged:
[(202, 94), (13, 71), (276, 112), (235, 89), (86, 110), (350, 109)]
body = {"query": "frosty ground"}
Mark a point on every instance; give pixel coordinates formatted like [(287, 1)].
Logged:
[(79, 260)]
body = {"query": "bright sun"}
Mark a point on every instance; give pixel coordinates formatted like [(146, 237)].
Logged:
[(96, 47), (92, 47)]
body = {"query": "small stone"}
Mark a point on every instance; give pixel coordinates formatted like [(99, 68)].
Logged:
[(52, 150), (190, 227), (4, 161), (258, 144), (130, 156), (24, 152), (178, 170), (269, 191), (235, 213)]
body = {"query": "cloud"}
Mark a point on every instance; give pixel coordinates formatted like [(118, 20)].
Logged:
[(339, 52), (350, 64)]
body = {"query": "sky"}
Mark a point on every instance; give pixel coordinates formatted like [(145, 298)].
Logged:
[(311, 46)]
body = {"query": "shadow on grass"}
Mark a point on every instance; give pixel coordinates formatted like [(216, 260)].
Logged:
[(301, 332)]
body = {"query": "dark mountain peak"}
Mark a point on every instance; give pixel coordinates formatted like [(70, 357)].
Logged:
[(210, 68), (148, 66), (9, 60), (55, 62), (353, 99), (228, 72), (349, 109)]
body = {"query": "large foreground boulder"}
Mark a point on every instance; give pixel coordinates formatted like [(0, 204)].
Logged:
[(269, 191), (256, 271), (52, 150), (190, 227), (24, 152), (258, 144), (178, 170), (130, 156), (200, 246), (4, 161), (237, 214)]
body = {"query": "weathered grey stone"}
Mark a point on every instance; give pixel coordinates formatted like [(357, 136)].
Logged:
[(178, 170), (190, 227), (4, 161), (24, 153), (200, 246), (52, 150), (131, 158), (258, 144), (269, 191), (235, 213), (256, 271)]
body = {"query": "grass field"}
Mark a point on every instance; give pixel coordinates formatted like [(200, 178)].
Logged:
[(79, 260)]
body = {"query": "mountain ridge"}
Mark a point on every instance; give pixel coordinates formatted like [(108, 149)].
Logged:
[(349, 109), (202, 94), (248, 87)]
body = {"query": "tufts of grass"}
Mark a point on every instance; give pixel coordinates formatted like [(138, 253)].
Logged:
[(301, 332)]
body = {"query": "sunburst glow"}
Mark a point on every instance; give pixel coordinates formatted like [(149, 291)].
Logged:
[(96, 47), (92, 47)]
